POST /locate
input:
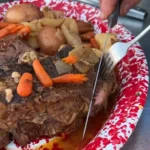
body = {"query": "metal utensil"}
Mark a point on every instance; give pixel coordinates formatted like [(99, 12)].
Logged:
[(112, 20), (116, 52), (136, 12)]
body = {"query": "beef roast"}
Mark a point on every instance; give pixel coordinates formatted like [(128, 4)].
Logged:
[(47, 111)]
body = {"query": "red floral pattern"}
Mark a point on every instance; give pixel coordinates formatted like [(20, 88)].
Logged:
[(133, 74)]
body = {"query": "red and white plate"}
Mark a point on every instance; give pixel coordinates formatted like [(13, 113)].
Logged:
[(133, 74)]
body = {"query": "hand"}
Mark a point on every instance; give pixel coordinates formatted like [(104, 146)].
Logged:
[(108, 6)]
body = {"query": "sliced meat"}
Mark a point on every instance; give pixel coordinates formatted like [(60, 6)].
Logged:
[(48, 111), (106, 87), (4, 138), (10, 49)]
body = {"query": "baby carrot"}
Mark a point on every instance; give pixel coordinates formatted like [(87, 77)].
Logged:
[(4, 32), (70, 78), (11, 27), (4, 24), (16, 29), (70, 60), (24, 31), (41, 74), (24, 88), (94, 43)]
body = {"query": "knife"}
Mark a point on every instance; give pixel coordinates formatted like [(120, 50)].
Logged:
[(136, 12), (112, 21)]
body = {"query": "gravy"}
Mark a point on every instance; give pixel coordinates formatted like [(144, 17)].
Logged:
[(73, 141)]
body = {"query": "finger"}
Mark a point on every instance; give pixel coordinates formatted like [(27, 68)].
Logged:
[(107, 7), (100, 1), (127, 5)]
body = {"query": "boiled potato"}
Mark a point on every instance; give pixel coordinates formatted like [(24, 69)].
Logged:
[(23, 13), (101, 38), (48, 13), (53, 14), (52, 22), (58, 14), (50, 39)]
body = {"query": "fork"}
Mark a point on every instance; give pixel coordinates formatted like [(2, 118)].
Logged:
[(116, 53)]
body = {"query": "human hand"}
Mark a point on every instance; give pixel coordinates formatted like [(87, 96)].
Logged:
[(108, 6)]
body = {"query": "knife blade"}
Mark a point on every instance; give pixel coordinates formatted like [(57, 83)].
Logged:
[(112, 21)]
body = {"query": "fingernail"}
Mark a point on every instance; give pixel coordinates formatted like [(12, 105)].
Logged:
[(102, 16), (126, 8)]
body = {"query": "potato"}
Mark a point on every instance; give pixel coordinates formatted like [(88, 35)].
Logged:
[(72, 38), (23, 13), (48, 13), (53, 14), (59, 34), (71, 25), (50, 39), (51, 22), (58, 14), (100, 38)]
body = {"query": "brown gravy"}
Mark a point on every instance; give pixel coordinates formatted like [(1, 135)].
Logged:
[(73, 141)]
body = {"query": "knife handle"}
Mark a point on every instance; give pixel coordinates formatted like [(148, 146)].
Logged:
[(113, 18)]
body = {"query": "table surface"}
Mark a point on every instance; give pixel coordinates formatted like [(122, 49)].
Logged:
[(140, 139)]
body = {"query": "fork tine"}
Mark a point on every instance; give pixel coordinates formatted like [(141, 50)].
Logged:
[(107, 65), (102, 67)]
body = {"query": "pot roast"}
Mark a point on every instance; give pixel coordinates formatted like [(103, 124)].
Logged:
[(50, 111)]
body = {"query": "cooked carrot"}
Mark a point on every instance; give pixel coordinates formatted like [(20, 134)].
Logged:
[(4, 32), (17, 28), (24, 31), (70, 78), (4, 24), (11, 27), (87, 36), (24, 88), (94, 43), (70, 60), (41, 74)]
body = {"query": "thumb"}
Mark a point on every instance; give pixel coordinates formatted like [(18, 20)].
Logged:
[(107, 7)]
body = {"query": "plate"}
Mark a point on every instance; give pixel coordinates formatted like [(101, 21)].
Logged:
[(132, 72)]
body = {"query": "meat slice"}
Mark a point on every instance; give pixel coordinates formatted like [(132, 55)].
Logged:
[(47, 111), (4, 138), (10, 49)]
